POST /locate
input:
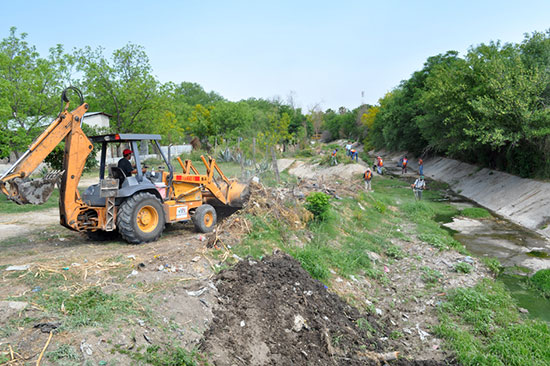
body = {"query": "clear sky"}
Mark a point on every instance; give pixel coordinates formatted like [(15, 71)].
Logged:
[(320, 52)]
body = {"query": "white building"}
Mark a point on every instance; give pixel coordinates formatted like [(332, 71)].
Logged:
[(97, 119)]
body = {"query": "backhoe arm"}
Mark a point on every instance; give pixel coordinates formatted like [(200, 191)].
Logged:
[(14, 184)]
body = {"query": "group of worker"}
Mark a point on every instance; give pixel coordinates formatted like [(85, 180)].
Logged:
[(418, 186)]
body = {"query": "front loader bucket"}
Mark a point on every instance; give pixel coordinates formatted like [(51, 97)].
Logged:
[(238, 194), (35, 191)]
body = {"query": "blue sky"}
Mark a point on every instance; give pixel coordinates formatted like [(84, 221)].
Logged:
[(320, 52)]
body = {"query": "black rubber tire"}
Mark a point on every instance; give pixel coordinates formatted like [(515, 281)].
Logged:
[(126, 219), (202, 212)]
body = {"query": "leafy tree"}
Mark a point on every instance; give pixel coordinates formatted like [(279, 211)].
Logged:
[(123, 86), (29, 90)]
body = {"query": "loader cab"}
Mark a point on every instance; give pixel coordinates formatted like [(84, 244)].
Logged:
[(153, 169)]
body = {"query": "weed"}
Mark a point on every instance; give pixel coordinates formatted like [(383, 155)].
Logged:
[(396, 334), (364, 325), (166, 356), (66, 353), (463, 267), (336, 340), (395, 252), (494, 265), (430, 275)]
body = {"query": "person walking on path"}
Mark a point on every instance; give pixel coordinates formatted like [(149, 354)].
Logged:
[(368, 177), (418, 186), (333, 160), (404, 165), (354, 154), (420, 167)]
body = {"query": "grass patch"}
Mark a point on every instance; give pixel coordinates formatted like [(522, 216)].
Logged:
[(541, 281), (164, 356), (483, 326), (475, 213), (92, 307), (10, 207)]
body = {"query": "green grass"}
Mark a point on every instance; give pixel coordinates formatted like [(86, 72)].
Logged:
[(10, 207), (483, 326), (541, 281), (164, 356), (475, 213), (92, 307)]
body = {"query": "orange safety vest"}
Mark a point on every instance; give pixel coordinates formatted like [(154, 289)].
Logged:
[(368, 175), (380, 162), (405, 161), (334, 153)]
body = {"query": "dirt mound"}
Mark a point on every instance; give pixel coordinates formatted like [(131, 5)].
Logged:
[(273, 313)]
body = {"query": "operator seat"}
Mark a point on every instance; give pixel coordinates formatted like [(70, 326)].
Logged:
[(117, 173)]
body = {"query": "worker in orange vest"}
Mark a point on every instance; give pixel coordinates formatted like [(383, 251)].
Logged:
[(380, 165), (333, 160), (368, 176), (404, 165)]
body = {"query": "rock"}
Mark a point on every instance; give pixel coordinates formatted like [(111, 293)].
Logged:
[(523, 310), (243, 323), (299, 323)]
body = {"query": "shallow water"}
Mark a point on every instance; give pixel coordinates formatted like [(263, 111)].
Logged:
[(520, 250)]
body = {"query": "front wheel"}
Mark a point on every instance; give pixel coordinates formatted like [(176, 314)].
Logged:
[(205, 218), (140, 218)]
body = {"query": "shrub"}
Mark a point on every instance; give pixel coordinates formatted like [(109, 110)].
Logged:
[(463, 267), (318, 203)]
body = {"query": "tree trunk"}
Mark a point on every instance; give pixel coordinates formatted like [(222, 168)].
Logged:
[(275, 167)]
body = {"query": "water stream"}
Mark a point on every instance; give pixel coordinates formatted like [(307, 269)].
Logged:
[(521, 251)]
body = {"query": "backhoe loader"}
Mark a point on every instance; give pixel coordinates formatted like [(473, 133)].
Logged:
[(137, 206)]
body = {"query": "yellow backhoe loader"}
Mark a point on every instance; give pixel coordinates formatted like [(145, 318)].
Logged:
[(137, 206)]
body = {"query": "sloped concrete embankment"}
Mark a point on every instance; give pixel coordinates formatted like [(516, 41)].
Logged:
[(523, 201)]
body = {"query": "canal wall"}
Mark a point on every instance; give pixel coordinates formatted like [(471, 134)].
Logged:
[(523, 201)]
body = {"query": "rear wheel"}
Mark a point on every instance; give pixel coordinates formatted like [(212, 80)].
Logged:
[(205, 218), (140, 218)]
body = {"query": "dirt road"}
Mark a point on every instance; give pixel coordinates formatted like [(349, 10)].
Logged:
[(21, 224)]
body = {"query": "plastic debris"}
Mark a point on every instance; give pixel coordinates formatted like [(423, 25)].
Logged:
[(423, 334), (37, 289), (134, 273), (22, 267), (196, 259), (198, 292), (243, 323)]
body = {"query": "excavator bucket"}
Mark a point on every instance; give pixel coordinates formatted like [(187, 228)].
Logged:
[(34, 191), (238, 194)]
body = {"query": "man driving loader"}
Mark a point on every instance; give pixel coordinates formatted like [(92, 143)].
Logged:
[(125, 165)]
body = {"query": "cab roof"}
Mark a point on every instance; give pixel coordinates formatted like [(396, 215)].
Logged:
[(124, 137)]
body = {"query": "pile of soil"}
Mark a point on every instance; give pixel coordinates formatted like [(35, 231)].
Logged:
[(273, 312)]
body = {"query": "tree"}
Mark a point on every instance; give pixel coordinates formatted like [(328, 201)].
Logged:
[(122, 86), (29, 90)]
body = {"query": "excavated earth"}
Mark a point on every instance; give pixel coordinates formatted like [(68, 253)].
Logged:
[(272, 312)]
